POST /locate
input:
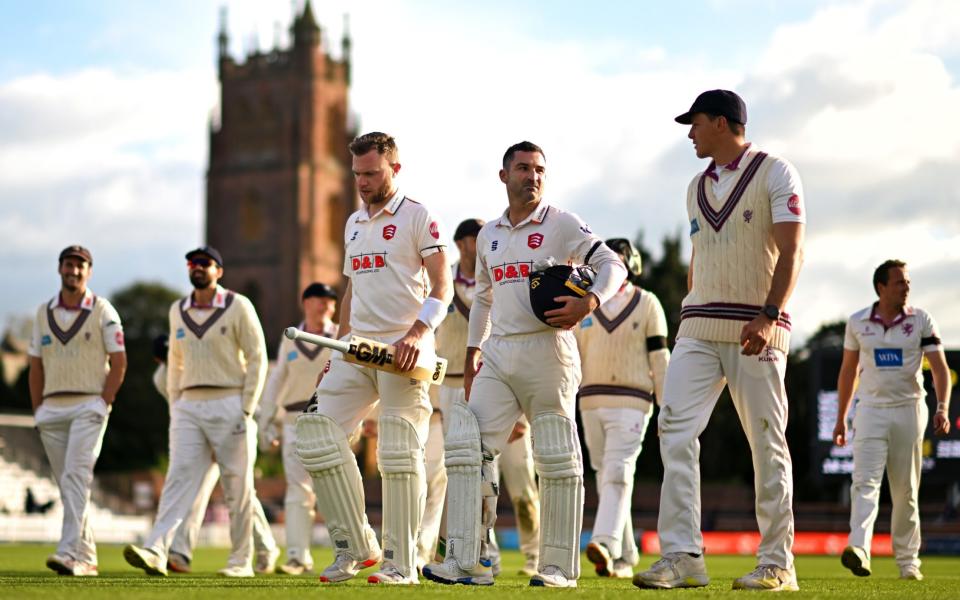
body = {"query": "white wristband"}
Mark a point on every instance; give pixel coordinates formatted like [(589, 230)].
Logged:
[(942, 407), (432, 313)]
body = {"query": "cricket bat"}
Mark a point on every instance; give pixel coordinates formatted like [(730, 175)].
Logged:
[(376, 355)]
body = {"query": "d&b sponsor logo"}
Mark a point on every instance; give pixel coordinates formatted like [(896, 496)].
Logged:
[(517, 271)]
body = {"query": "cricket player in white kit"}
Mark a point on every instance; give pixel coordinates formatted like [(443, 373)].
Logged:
[(516, 461), (77, 363), (217, 367), (746, 226), (529, 368), (885, 345), (398, 292), (624, 357), (288, 391), (181, 549)]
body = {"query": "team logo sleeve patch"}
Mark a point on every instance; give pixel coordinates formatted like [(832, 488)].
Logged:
[(794, 205)]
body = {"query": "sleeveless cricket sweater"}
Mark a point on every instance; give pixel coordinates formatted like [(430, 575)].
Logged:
[(74, 360), (734, 258)]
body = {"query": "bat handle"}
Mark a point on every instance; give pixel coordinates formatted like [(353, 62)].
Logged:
[(295, 334)]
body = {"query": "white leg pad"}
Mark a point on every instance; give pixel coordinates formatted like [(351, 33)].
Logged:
[(325, 454), (463, 459), (400, 456), (556, 453)]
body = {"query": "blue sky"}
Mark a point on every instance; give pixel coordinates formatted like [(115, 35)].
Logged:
[(104, 109)]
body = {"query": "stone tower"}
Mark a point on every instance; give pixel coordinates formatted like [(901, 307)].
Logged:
[(279, 186)]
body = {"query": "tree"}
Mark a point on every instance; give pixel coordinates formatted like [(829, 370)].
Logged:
[(137, 432)]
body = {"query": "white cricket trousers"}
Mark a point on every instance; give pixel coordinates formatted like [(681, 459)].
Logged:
[(299, 500), (436, 478), (696, 375), (891, 437), (72, 436), (201, 430), (614, 438)]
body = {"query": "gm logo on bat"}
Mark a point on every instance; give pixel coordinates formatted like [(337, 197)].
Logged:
[(375, 355)]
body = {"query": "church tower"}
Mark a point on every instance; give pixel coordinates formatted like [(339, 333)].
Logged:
[(279, 186)]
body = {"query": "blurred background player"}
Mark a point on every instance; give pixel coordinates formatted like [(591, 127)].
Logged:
[(188, 533), (531, 368), (397, 292), (885, 345), (516, 461), (288, 391), (217, 366), (77, 363), (623, 357)]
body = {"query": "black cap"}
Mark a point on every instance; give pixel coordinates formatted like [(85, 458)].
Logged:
[(318, 290), (468, 228), (78, 252), (207, 250), (721, 103), (161, 346)]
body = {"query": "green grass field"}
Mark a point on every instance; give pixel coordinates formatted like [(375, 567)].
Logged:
[(23, 575)]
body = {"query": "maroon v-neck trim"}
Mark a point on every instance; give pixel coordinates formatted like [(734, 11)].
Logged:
[(199, 329), (611, 324), (311, 351), (66, 336), (718, 218)]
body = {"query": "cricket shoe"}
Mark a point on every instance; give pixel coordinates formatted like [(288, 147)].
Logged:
[(529, 568), (391, 575), (236, 571), (599, 555), (674, 570), (552, 576), (770, 578), (449, 572), (293, 567), (148, 560), (911, 572), (856, 560), (266, 561), (621, 569), (61, 563), (344, 568), (85, 569), (178, 563)]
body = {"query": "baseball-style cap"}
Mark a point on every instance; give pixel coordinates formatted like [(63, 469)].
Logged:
[(207, 250), (78, 252), (468, 228), (717, 102), (318, 290)]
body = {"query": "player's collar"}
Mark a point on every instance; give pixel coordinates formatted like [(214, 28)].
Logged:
[(86, 303), (392, 206), (711, 171), (539, 215), (459, 277), (219, 300), (871, 315)]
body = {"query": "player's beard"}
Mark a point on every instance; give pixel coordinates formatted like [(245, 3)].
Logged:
[(200, 280), (71, 283), (380, 196)]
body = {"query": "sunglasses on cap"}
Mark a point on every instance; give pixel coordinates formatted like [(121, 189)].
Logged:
[(200, 261)]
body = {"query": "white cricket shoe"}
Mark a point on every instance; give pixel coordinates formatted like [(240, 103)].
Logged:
[(769, 578), (61, 563), (85, 569), (599, 555), (552, 576), (145, 559), (266, 561), (529, 568), (856, 560), (621, 569), (449, 572), (236, 571), (391, 575), (911, 572), (344, 568), (293, 567), (674, 570)]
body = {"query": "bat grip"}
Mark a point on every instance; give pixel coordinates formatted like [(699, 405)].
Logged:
[(296, 334)]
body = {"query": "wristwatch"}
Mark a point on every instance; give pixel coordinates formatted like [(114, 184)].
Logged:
[(771, 312)]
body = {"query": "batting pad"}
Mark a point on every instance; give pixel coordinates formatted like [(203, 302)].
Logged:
[(323, 449), (404, 491), (463, 458), (556, 452)]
